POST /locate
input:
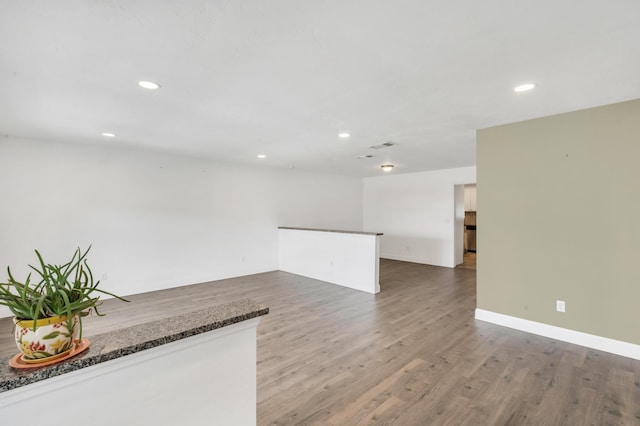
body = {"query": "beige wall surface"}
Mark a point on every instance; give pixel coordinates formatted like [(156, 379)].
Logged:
[(559, 219)]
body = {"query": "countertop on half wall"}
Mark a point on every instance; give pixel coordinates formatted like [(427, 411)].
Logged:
[(331, 230), (127, 340)]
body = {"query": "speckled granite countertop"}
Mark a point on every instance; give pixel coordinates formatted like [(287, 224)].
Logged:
[(331, 230), (116, 344)]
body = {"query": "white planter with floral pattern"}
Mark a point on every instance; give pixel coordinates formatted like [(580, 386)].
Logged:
[(53, 337)]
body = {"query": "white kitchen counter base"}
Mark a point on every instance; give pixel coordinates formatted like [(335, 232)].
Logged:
[(206, 378)]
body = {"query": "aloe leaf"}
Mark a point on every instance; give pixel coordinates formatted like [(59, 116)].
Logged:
[(99, 290), (67, 304), (43, 273), (38, 310)]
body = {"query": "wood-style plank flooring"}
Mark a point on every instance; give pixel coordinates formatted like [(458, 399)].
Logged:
[(411, 355), (469, 261)]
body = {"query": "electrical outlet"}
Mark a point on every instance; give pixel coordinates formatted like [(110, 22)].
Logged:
[(560, 305)]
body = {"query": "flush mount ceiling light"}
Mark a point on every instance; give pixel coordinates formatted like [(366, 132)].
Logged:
[(262, 156), (344, 135), (148, 85), (524, 87), (108, 135), (387, 167)]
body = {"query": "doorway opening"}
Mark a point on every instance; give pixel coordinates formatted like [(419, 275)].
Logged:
[(466, 225)]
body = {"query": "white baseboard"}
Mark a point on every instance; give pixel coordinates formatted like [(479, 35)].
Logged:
[(412, 260), (617, 347)]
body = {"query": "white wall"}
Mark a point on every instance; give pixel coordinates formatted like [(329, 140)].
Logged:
[(347, 259), (416, 213), (157, 220)]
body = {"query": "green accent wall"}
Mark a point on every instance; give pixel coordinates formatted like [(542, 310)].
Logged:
[(559, 219)]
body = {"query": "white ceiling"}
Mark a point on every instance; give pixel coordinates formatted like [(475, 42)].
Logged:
[(284, 77)]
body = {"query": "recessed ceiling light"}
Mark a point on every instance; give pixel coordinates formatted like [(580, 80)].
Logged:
[(344, 135), (108, 135), (524, 87), (149, 85), (262, 156), (387, 167)]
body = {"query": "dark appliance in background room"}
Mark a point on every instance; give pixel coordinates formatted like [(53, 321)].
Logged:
[(470, 232)]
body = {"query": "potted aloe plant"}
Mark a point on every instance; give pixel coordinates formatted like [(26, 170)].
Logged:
[(48, 310)]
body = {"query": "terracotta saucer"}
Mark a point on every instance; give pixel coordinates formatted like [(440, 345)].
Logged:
[(18, 362)]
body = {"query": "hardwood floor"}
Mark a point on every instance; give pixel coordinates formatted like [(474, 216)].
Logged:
[(469, 261), (411, 355)]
